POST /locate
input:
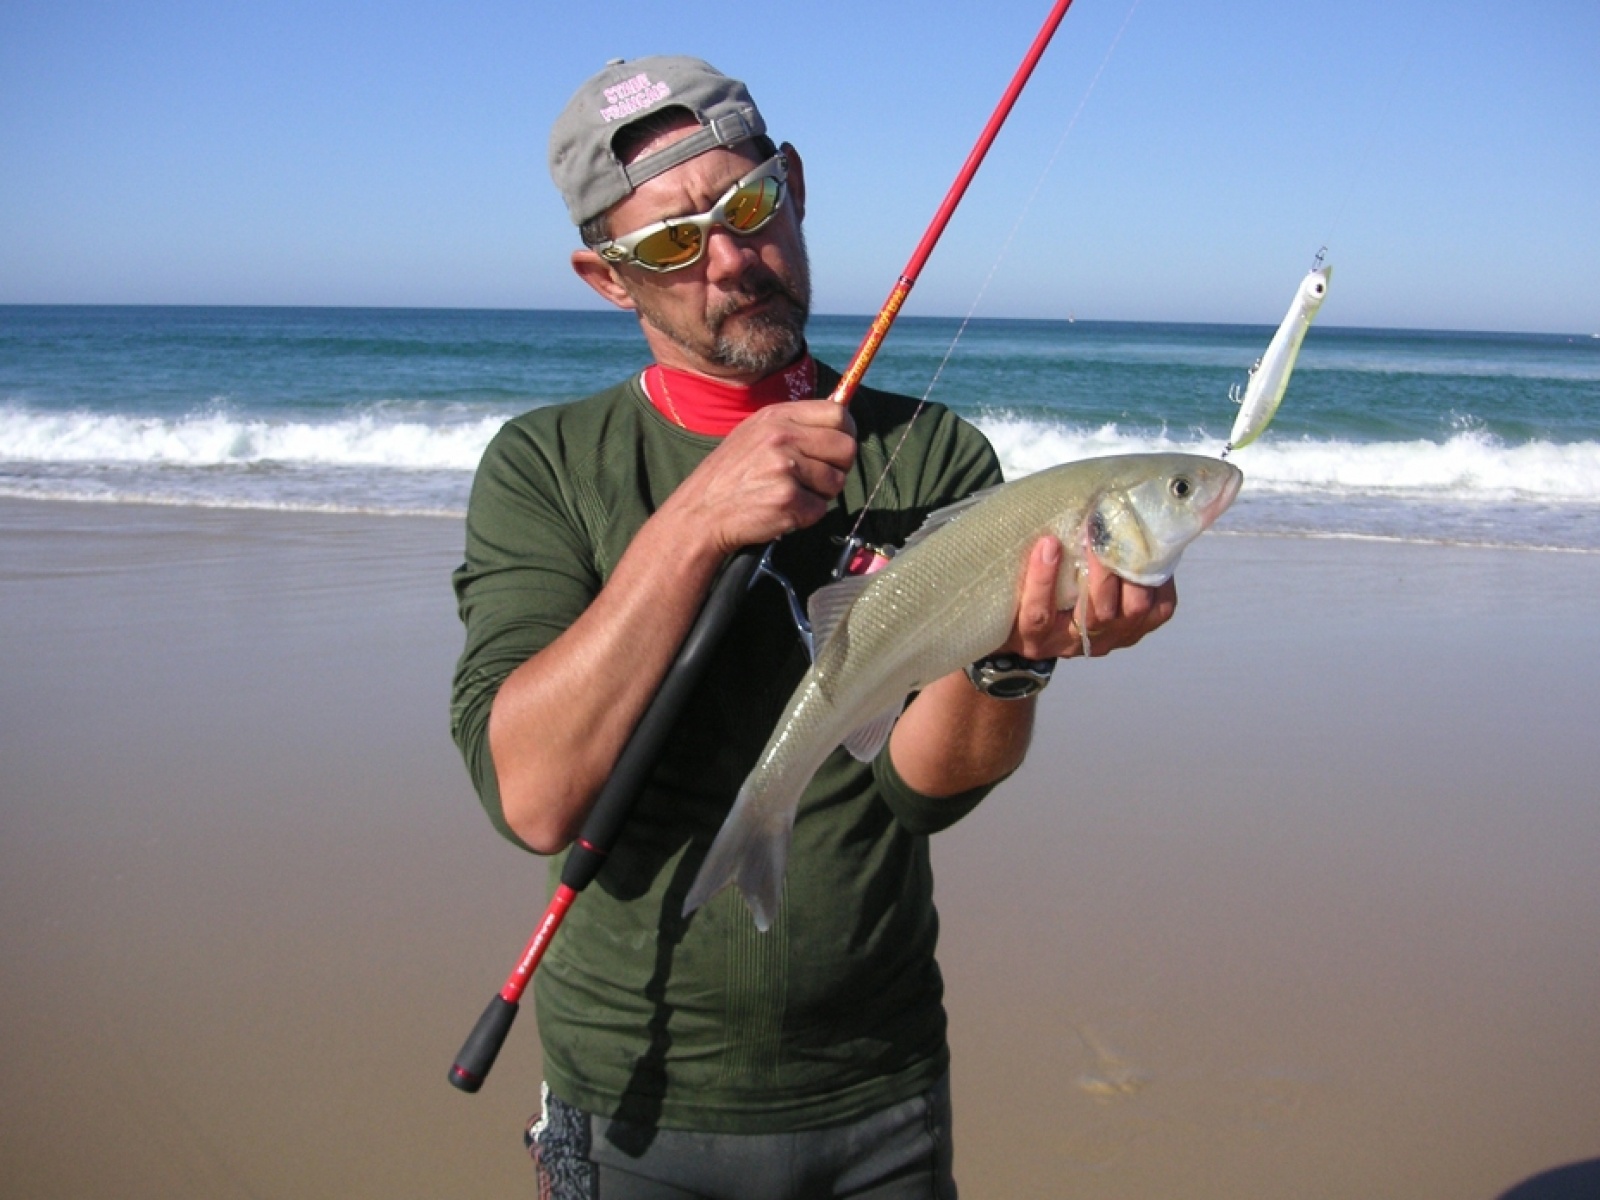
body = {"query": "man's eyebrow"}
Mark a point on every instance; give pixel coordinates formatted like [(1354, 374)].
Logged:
[(694, 208)]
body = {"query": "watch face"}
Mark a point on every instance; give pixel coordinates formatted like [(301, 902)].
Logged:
[(1014, 687), (1007, 677)]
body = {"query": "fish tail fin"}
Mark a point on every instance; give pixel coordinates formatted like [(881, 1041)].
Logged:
[(752, 851)]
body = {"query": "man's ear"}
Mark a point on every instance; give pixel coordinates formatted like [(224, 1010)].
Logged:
[(797, 180), (602, 277)]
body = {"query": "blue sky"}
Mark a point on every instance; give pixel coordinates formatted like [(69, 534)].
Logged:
[(1447, 154)]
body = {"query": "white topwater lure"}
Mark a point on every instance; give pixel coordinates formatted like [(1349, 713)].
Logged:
[(1259, 399)]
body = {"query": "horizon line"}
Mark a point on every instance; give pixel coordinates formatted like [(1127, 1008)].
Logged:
[(865, 318)]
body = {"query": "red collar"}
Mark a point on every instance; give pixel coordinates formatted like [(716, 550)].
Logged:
[(709, 406)]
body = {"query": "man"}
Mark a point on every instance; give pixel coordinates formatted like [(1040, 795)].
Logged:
[(695, 1056)]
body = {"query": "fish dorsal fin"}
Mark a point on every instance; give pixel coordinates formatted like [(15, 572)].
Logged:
[(940, 517), (865, 743), (829, 605)]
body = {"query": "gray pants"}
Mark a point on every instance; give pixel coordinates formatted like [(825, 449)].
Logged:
[(900, 1153)]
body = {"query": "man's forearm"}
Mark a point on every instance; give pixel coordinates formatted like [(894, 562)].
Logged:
[(953, 738), (560, 720)]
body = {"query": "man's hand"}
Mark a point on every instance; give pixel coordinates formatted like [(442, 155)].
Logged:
[(776, 472), (1116, 613)]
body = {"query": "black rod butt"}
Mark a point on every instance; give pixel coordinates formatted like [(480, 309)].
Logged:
[(483, 1044)]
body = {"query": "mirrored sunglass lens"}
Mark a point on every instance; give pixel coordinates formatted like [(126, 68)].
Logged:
[(752, 205), (671, 247), (745, 211)]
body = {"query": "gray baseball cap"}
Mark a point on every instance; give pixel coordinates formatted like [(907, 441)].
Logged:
[(586, 169)]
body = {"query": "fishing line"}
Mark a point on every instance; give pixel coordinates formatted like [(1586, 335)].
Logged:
[(994, 269), (1262, 390), (1378, 129)]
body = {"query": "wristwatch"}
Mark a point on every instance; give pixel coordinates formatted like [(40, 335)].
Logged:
[(1010, 676)]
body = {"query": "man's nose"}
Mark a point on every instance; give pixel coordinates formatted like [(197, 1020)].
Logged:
[(727, 255)]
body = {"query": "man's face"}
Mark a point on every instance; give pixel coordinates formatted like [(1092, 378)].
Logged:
[(740, 311)]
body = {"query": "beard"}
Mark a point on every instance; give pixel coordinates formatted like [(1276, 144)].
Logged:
[(761, 342), (755, 331)]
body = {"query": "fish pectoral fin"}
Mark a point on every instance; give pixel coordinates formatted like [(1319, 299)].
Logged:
[(1080, 607), (866, 743), (829, 605)]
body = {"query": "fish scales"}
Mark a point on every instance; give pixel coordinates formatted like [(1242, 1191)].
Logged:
[(948, 598)]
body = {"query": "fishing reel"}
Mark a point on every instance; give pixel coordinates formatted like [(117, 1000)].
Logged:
[(856, 557)]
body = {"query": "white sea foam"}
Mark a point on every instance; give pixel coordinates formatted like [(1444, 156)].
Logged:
[(1470, 465), (1469, 488), (220, 438)]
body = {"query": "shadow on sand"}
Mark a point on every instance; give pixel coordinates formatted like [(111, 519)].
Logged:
[(1576, 1181)]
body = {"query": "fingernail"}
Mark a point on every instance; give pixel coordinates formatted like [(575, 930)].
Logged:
[(1052, 552)]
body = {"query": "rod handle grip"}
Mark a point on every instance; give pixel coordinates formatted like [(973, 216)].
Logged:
[(649, 737), (483, 1044)]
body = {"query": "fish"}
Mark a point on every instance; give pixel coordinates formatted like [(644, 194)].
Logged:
[(1269, 378), (946, 599)]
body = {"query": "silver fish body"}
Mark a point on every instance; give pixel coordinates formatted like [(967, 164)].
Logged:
[(948, 598)]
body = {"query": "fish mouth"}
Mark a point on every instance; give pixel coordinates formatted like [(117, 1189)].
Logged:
[(1226, 495)]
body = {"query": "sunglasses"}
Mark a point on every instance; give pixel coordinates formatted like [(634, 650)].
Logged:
[(678, 242)]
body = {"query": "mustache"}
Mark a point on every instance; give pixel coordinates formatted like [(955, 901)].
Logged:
[(749, 297)]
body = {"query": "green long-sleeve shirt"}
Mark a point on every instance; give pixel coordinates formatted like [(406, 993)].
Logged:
[(704, 1023)]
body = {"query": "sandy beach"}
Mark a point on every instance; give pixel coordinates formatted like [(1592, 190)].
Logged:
[(1299, 898)]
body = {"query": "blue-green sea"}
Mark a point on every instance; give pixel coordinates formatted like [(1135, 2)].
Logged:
[(1473, 438)]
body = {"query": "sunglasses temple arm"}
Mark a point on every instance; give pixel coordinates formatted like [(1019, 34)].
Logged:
[(851, 380)]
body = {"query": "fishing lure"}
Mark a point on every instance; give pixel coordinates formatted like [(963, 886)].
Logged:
[(1258, 400)]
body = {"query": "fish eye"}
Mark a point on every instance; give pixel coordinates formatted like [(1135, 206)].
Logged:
[(1180, 486)]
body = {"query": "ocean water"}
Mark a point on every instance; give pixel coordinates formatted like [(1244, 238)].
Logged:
[(1490, 439)]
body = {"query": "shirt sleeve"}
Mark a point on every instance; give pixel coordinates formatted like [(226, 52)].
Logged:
[(529, 572), (919, 813)]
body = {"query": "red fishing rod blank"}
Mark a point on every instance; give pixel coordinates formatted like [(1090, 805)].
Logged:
[(489, 1034), (851, 379)]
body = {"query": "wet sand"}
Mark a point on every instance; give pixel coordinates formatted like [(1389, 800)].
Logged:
[(1299, 898)]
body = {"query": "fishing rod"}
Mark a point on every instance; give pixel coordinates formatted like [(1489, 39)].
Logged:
[(638, 758)]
